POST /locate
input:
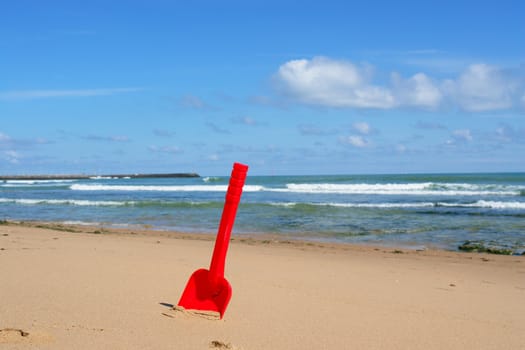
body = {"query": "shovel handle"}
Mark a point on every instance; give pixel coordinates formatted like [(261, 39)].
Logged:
[(233, 196)]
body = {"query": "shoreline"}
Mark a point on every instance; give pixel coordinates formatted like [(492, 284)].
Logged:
[(66, 287), (259, 239)]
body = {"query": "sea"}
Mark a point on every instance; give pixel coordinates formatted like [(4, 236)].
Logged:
[(411, 211)]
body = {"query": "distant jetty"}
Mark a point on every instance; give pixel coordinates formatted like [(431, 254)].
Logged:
[(84, 177)]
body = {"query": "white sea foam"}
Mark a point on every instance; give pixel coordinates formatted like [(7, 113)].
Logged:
[(80, 223), (382, 205), (416, 189), (38, 181), (360, 205), (478, 204), (412, 189), (80, 202), (487, 204), (172, 188), (20, 183), (210, 179), (285, 204), (513, 205)]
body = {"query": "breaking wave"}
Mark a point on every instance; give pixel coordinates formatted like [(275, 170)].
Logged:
[(413, 189), (79, 202), (170, 188)]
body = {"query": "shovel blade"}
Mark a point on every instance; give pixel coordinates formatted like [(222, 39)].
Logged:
[(201, 294)]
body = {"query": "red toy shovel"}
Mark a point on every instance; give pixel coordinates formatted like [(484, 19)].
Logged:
[(208, 290)]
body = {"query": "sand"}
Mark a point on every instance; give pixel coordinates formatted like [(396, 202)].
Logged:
[(77, 290)]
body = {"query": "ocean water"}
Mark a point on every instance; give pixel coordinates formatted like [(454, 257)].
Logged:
[(424, 210)]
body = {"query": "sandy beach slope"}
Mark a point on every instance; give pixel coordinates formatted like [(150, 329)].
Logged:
[(76, 290)]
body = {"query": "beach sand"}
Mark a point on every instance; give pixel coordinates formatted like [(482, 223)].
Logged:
[(78, 290)]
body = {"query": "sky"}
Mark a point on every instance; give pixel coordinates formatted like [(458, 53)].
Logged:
[(287, 87)]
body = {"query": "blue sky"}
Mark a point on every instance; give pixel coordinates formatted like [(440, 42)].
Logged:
[(286, 87)]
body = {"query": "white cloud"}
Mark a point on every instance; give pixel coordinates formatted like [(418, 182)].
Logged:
[(482, 87), (195, 102), (12, 156), (362, 127), (355, 140), (12, 146), (249, 121), (462, 135), (417, 91), (504, 133), (336, 83), (401, 148), (327, 82), (36, 94), (218, 129), (246, 120), (507, 133), (4, 138)]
